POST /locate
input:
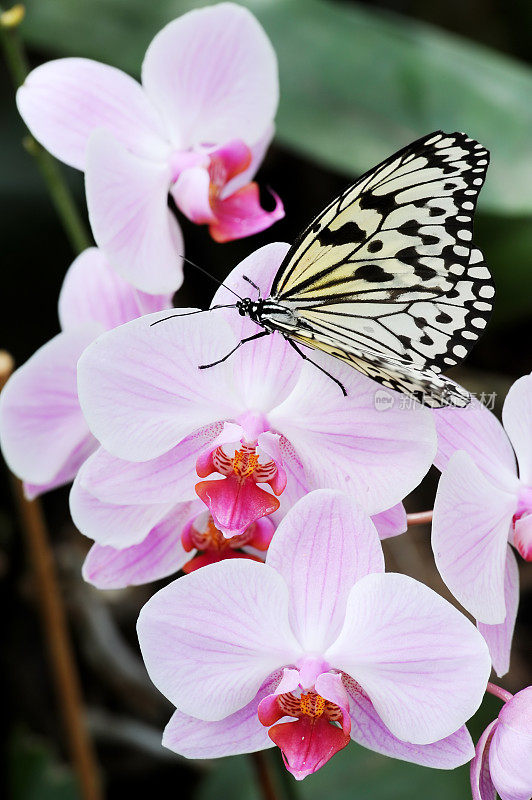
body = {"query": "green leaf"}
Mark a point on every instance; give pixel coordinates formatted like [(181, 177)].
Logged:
[(356, 84), (34, 773)]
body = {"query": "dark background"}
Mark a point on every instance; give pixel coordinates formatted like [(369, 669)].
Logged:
[(335, 121)]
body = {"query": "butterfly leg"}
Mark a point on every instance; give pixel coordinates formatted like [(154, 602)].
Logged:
[(230, 353), (306, 358), (188, 314)]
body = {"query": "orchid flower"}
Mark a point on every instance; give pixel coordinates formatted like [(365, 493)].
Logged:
[(185, 539), (483, 505), (264, 416), (44, 436), (197, 128), (314, 648), (503, 759)]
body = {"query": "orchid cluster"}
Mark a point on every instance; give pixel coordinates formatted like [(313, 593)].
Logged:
[(257, 478)]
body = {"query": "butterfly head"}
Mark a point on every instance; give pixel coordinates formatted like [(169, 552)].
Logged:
[(250, 308)]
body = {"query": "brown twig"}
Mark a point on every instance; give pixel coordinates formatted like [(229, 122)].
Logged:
[(56, 631), (419, 518), (264, 778)]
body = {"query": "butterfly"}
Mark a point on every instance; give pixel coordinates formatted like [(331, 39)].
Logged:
[(387, 278)]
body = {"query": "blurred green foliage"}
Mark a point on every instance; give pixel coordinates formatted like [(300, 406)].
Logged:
[(34, 773)]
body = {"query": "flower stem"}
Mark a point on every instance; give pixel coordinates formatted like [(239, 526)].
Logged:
[(49, 168), (499, 692), (419, 518), (55, 628)]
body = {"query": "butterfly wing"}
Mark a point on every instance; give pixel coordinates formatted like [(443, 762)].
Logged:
[(388, 268)]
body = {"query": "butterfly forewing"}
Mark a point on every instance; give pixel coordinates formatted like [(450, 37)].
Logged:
[(389, 270)]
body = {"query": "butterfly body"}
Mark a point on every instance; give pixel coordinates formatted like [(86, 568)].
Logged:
[(387, 278)]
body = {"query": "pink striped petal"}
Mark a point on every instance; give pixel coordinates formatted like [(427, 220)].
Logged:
[(170, 478), (212, 73), (191, 193), (517, 419), (477, 431), (64, 101), (391, 522), (158, 555), (370, 731), (93, 292), (470, 528), (482, 787), (422, 663), (321, 548), (499, 637), (511, 746), (129, 215), (242, 215), (44, 435), (256, 365), (240, 732), (211, 638), (345, 443), (141, 389), (113, 525)]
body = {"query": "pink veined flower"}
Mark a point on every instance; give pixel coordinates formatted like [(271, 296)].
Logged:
[(44, 436), (185, 539), (262, 417), (313, 648), (503, 759), (197, 128), (483, 505)]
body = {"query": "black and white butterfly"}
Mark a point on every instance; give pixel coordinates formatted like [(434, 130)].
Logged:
[(387, 278)]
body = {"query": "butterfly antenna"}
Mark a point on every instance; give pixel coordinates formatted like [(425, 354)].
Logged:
[(190, 313), (208, 274)]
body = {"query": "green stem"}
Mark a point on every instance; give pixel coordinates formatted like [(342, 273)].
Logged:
[(49, 168)]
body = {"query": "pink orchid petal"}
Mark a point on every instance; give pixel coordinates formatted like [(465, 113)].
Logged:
[(321, 548), (235, 504), (241, 214), (477, 431), (68, 471), (470, 528), (240, 732), (158, 555), (129, 215), (258, 151), (330, 686), (140, 387), (511, 746), (191, 193), (523, 536), (64, 101), (256, 365), (211, 638), (422, 663), (93, 292), (170, 478), (44, 435), (391, 522), (212, 74), (482, 787), (226, 162), (370, 731), (499, 637), (517, 420), (117, 526), (307, 744), (377, 456)]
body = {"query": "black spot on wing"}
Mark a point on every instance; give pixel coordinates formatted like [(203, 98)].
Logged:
[(350, 233), (372, 273)]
